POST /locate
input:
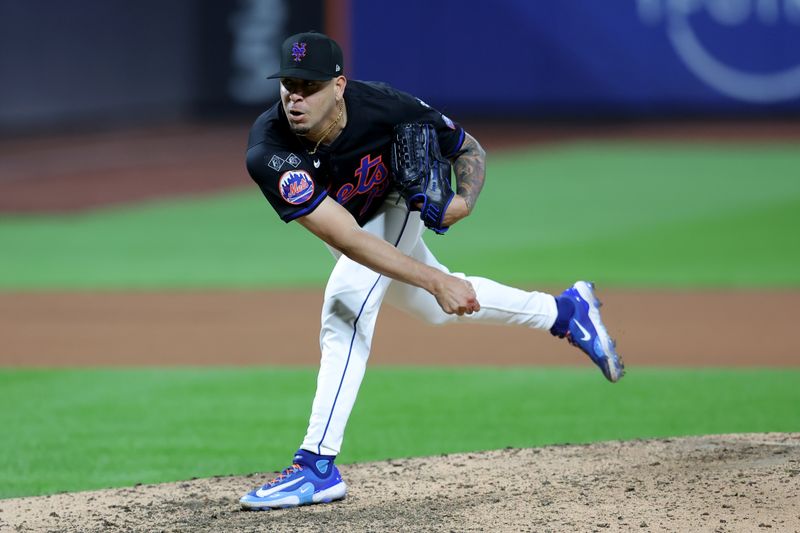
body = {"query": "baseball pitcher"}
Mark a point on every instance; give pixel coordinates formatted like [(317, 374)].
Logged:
[(367, 169)]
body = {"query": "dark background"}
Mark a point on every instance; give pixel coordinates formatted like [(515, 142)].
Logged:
[(99, 64)]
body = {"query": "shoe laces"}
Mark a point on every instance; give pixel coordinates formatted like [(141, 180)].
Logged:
[(286, 473)]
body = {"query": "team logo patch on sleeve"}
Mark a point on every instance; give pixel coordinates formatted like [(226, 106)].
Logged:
[(296, 186)]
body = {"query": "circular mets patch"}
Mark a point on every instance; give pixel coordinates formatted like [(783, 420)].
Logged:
[(296, 186)]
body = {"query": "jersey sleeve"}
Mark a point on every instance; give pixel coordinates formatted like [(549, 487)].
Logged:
[(450, 134), (287, 180)]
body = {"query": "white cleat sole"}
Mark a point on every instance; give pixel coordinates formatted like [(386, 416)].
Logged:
[(337, 492), (616, 368)]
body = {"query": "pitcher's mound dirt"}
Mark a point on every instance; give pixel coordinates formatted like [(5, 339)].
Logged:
[(722, 483)]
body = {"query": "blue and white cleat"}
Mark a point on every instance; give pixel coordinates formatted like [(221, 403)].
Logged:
[(296, 485), (587, 332)]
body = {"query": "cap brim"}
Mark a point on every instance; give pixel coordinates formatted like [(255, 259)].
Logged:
[(301, 74)]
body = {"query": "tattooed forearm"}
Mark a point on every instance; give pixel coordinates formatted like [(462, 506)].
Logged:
[(470, 170)]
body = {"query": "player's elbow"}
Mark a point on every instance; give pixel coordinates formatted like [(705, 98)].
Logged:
[(472, 147)]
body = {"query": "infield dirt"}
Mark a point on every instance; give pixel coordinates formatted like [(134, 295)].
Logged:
[(725, 483), (652, 328)]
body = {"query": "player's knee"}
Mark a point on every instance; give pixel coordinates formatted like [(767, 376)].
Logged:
[(341, 308)]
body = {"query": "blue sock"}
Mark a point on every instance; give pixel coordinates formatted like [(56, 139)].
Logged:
[(566, 308), (321, 465)]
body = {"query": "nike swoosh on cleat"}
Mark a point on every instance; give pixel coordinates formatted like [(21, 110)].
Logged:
[(261, 493), (586, 334)]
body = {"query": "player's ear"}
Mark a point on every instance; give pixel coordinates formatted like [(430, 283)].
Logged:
[(340, 82)]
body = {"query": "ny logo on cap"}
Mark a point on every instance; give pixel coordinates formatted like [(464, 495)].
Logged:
[(298, 51)]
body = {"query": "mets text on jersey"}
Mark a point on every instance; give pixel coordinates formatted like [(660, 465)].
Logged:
[(372, 176)]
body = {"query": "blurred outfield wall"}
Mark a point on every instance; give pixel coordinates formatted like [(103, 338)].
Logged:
[(95, 62), (129, 62), (586, 57)]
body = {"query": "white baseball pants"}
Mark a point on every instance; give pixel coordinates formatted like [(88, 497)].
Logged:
[(353, 298)]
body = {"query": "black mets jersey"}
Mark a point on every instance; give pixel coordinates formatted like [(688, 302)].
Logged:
[(355, 169)]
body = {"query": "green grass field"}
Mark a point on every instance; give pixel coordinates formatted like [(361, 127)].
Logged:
[(659, 215), (78, 429)]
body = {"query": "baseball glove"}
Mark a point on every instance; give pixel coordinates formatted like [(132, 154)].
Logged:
[(421, 174)]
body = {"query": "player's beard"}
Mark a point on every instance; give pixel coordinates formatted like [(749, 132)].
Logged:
[(303, 130), (299, 129), (323, 128)]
